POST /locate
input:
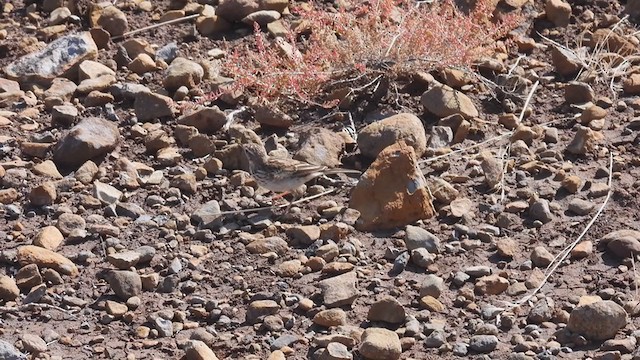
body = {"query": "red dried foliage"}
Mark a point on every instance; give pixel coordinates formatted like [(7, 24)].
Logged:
[(372, 37)]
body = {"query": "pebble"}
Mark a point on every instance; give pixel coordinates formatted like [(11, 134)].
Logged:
[(387, 310), (49, 237), (406, 127), (432, 285), (416, 237), (9, 352), (541, 257), (422, 257), (9, 290), (483, 343), (125, 284), (164, 327), (339, 290), (435, 339), (598, 320), (33, 343), (581, 207), (330, 318), (198, 350), (336, 351), (491, 285), (379, 343), (539, 210), (261, 308)]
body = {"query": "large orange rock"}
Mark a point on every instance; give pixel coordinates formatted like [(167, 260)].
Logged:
[(392, 192)]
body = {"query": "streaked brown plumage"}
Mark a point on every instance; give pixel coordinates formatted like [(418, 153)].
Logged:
[(283, 175)]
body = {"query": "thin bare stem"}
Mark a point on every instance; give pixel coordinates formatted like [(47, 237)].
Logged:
[(526, 103), (174, 21), (567, 250)]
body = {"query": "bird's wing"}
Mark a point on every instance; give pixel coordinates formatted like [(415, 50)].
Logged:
[(300, 167)]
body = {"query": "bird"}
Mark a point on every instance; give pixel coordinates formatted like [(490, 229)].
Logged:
[(284, 175)]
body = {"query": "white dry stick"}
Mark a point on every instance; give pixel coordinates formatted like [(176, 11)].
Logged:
[(506, 154), (526, 103), (567, 250), (133, 32), (635, 274)]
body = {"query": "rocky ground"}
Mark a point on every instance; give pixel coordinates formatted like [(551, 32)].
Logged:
[(472, 233)]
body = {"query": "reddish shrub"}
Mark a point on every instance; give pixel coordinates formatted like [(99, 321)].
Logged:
[(374, 37)]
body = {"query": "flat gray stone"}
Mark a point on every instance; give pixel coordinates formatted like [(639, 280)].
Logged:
[(60, 58)]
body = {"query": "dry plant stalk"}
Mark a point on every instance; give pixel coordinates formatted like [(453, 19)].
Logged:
[(361, 41)]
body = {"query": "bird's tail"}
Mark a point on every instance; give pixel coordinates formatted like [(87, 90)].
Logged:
[(342, 171)]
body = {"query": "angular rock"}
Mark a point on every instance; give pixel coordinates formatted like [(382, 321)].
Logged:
[(67, 223), (209, 120), (113, 20), (43, 194), (149, 106), (380, 344), (235, 10), (9, 352), (198, 350), (8, 288), (388, 310), (416, 237), (492, 285), (539, 210), (541, 257), (49, 237), (443, 101), (33, 343), (392, 192), (182, 72), (269, 115), (483, 343), (576, 92), (106, 193), (339, 290), (260, 308), (90, 138), (558, 12), (584, 141), (86, 172), (124, 260), (336, 351), (60, 58), (304, 235), (125, 284), (319, 146), (208, 215), (47, 168), (432, 285), (581, 207), (405, 127), (28, 276), (565, 62)]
